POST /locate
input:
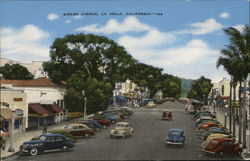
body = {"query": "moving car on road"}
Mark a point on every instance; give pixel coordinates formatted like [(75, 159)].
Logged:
[(222, 146), (46, 142), (167, 115), (122, 129), (175, 136)]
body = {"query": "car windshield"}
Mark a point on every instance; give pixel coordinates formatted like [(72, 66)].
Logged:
[(120, 125), (43, 138), (69, 127)]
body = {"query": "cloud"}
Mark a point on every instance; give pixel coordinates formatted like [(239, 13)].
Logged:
[(202, 28), (224, 15), (52, 16), (129, 24), (67, 21), (26, 43)]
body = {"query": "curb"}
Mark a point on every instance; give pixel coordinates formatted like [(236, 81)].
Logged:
[(9, 156)]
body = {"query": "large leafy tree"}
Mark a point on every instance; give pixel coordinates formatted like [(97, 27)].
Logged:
[(200, 88), (15, 71), (95, 56), (90, 63), (171, 86)]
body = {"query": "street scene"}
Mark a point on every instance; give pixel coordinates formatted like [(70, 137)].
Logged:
[(125, 80), (146, 143)]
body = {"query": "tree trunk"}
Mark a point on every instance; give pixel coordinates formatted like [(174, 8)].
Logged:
[(234, 121), (240, 115), (230, 108), (244, 124)]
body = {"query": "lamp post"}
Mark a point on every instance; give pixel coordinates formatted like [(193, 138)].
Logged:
[(85, 104), (11, 148)]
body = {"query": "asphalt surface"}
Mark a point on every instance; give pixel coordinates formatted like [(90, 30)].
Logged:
[(147, 142)]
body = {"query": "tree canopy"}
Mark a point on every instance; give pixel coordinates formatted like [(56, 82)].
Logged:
[(200, 88), (15, 71)]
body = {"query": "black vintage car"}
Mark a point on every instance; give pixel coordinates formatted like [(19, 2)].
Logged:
[(46, 142)]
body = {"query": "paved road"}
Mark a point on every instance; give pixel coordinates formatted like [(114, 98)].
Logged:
[(147, 143)]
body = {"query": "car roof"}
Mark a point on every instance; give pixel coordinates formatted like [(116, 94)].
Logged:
[(176, 130), (122, 123), (52, 134)]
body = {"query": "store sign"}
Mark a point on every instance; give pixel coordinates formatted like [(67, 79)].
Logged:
[(18, 99)]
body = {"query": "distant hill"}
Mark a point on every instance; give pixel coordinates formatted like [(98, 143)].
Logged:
[(185, 86)]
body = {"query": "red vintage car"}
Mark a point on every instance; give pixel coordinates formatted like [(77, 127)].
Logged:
[(105, 123), (207, 125), (167, 115), (222, 146)]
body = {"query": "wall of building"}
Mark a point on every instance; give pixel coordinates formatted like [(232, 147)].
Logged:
[(8, 96)]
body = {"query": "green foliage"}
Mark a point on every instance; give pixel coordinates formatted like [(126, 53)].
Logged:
[(15, 71), (185, 86), (200, 88)]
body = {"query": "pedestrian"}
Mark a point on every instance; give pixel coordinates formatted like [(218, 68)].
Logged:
[(3, 139), (45, 127)]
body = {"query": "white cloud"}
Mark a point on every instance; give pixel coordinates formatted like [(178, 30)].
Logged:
[(224, 15), (67, 21), (26, 43), (129, 24), (201, 28), (52, 16)]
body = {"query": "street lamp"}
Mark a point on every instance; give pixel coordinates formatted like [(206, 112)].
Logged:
[(11, 148), (85, 103)]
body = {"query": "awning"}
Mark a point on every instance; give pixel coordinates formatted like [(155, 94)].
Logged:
[(6, 113), (37, 108), (53, 108)]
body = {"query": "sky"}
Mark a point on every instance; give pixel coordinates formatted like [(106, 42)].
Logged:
[(183, 37)]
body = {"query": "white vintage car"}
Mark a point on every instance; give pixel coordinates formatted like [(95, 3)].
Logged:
[(122, 129)]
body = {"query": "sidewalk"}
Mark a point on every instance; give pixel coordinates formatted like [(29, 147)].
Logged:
[(19, 138), (221, 118)]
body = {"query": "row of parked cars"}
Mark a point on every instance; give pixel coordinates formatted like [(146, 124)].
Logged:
[(63, 139), (215, 138)]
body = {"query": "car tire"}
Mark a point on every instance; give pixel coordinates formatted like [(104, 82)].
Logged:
[(64, 148), (33, 152)]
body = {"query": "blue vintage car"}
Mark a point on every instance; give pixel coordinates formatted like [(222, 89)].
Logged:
[(175, 136), (46, 142), (111, 117)]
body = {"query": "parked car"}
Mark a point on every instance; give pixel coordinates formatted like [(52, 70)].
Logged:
[(64, 132), (151, 104), (46, 142), (206, 121), (205, 135), (204, 115), (144, 102), (204, 118), (79, 130), (222, 146), (104, 122), (206, 126), (167, 115), (93, 124), (204, 143), (122, 129), (175, 136)]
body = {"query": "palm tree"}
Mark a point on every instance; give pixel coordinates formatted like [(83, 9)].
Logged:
[(237, 56)]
